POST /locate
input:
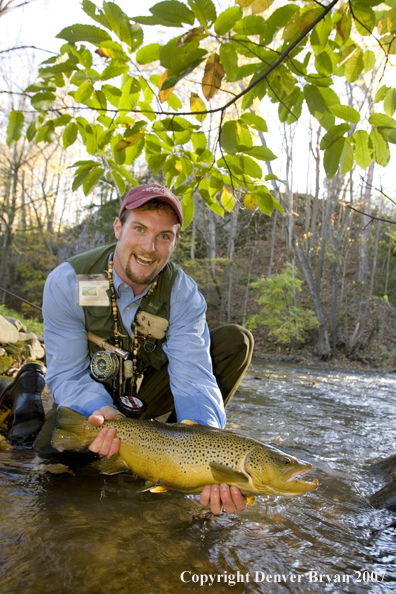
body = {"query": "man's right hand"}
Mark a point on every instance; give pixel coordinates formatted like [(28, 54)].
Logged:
[(105, 443)]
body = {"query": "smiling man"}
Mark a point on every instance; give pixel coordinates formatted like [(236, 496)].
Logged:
[(131, 295)]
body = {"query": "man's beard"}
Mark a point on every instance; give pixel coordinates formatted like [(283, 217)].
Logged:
[(139, 280)]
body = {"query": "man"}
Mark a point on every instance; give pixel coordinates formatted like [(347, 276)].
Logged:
[(147, 306)]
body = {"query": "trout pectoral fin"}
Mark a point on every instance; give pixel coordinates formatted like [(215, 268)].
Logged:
[(158, 489), (225, 474), (111, 465), (250, 499), (148, 485)]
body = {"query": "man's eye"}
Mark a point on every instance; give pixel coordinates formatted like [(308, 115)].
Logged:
[(165, 237)]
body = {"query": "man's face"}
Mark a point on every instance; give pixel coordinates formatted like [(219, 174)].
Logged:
[(145, 242)]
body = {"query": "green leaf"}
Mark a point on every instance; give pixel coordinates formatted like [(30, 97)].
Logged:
[(315, 101), (119, 182), (40, 86), (276, 21), (332, 156), (46, 132), (380, 94), (346, 160), (249, 166), (381, 152), (255, 121), (390, 102), (227, 199), (130, 95), (363, 156), (265, 203), (187, 204), (63, 120), (92, 180), (354, 66), (148, 53), (250, 25), (43, 101), (199, 141), (229, 60), (234, 134), (204, 10), (227, 19), (170, 13), (333, 135), (387, 23), (88, 33), (364, 18), (263, 153), (84, 91), (380, 119), (369, 60), (346, 113), (114, 69), (69, 135), (323, 64), (16, 120)]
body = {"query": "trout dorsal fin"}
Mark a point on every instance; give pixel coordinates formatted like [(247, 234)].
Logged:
[(225, 474)]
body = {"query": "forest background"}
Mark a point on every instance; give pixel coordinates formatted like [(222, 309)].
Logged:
[(308, 262)]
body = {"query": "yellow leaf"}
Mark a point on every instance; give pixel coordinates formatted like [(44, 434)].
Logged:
[(195, 34), (260, 5), (178, 167), (227, 199), (250, 201), (103, 52), (129, 141), (164, 95), (213, 75), (197, 104), (244, 3)]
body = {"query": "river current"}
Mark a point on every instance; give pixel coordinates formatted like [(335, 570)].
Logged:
[(86, 533)]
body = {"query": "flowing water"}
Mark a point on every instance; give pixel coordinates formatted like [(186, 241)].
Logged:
[(86, 533)]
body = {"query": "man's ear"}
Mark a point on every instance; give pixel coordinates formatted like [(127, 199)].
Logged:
[(117, 225)]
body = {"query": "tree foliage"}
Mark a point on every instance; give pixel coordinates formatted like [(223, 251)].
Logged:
[(124, 98), (285, 321)]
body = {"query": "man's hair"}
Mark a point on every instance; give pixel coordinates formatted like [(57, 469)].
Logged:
[(154, 204)]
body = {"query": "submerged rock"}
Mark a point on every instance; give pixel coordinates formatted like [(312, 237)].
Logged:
[(386, 496)]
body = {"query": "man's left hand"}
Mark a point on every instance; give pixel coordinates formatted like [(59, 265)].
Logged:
[(105, 443), (223, 495)]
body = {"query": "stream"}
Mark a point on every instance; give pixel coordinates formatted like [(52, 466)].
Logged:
[(86, 533)]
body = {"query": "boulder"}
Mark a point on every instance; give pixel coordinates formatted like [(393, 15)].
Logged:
[(8, 333), (17, 323), (37, 350)]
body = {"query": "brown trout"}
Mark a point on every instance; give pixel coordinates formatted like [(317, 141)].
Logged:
[(186, 456)]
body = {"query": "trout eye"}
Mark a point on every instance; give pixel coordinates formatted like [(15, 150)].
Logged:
[(286, 461)]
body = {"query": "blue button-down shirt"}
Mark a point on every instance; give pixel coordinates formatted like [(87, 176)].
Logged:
[(194, 388)]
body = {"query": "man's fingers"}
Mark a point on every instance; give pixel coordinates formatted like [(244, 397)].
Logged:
[(226, 499), (96, 419), (102, 444), (238, 499), (115, 446), (205, 495), (222, 496)]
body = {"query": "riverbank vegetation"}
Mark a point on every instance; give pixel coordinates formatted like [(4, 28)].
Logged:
[(309, 261)]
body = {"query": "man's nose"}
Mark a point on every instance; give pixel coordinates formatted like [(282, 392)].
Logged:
[(149, 243)]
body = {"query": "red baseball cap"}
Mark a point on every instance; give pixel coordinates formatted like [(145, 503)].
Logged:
[(146, 192)]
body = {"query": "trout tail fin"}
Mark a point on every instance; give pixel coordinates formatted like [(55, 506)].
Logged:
[(72, 430)]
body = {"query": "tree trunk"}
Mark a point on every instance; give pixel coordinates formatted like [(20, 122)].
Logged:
[(363, 262)]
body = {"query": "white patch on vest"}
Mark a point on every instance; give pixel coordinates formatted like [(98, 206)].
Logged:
[(149, 324)]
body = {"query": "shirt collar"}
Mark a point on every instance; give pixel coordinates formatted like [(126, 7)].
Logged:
[(119, 284)]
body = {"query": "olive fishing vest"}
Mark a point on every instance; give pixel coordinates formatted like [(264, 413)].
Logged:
[(99, 319)]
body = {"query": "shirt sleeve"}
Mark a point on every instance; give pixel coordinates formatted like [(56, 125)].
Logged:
[(194, 387), (66, 344)]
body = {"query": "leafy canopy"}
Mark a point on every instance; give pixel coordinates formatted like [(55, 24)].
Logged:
[(134, 99)]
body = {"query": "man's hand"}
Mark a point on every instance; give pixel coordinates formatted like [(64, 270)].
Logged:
[(105, 443), (221, 496)]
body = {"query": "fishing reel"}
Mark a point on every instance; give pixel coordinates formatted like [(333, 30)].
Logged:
[(131, 407), (104, 366)]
